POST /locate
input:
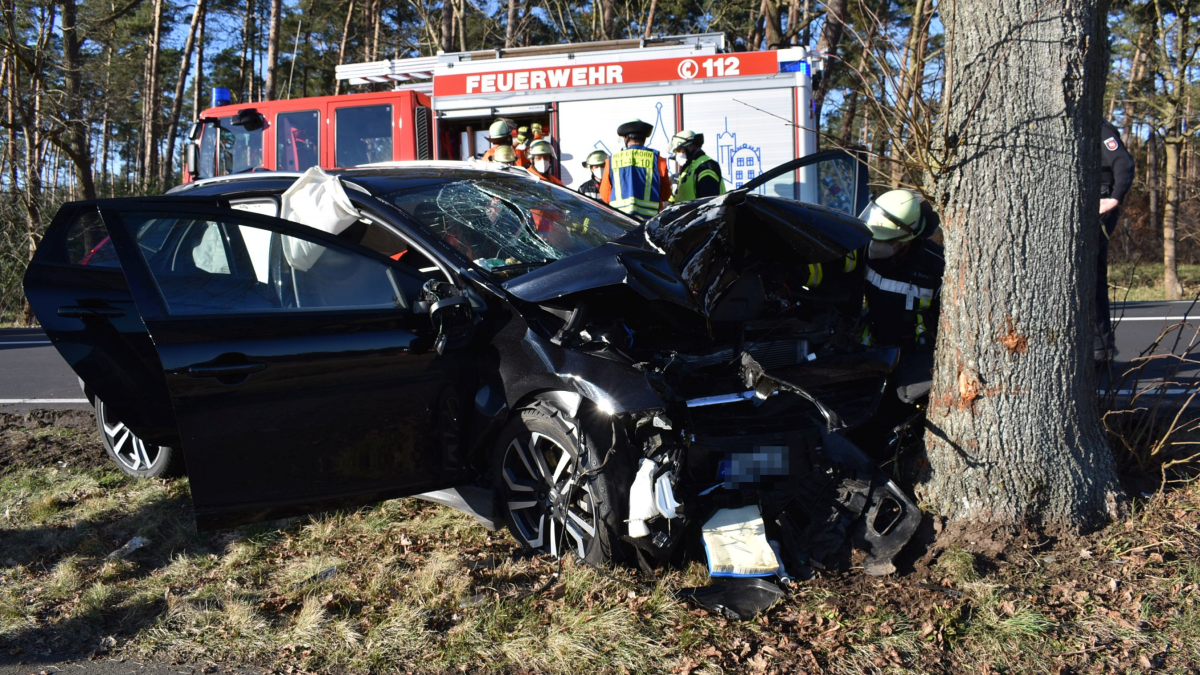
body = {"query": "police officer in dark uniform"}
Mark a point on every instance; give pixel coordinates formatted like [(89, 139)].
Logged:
[(904, 281), (1116, 177)]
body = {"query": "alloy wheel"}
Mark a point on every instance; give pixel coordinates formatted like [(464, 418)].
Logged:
[(132, 452), (549, 509)]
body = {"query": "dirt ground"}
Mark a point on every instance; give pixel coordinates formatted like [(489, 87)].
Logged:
[(407, 586)]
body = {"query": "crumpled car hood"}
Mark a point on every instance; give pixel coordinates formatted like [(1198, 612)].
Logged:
[(701, 243), (705, 240)]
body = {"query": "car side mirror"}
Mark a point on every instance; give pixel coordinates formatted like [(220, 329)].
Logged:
[(454, 321), (191, 158)]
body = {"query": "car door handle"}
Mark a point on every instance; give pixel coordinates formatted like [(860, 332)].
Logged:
[(78, 312), (226, 371)]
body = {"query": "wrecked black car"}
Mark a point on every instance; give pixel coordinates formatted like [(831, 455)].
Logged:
[(635, 392)]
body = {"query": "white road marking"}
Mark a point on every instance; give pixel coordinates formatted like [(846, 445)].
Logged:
[(21, 401), (1157, 318), (24, 342), (1147, 392)]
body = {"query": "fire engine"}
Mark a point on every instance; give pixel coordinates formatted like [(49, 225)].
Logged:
[(754, 109)]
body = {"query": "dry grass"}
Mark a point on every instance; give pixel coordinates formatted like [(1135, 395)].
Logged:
[(409, 586)]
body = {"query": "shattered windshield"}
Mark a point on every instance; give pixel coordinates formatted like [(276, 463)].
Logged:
[(510, 226)]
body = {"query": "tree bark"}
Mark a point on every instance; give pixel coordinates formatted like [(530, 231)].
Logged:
[(273, 49), (1152, 175), (168, 163), (1171, 286), (1014, 436), (198, 83), (150, 102), (79, 146), (646, 33), (831, 36), (245, 68), (337, 87), (447, 26)]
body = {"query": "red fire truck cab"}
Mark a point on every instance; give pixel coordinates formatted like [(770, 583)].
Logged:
[(754, 109)]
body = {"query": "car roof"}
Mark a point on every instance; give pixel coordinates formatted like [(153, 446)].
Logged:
[(273, 181)]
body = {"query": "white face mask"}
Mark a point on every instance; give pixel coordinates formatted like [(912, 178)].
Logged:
[(881, 249), (681, 159), (541, 165), (598, 173)]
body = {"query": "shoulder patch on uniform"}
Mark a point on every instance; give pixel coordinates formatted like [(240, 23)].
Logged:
[(1111, 144)]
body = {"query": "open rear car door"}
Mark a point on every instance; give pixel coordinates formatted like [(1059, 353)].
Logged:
[(301, 367)]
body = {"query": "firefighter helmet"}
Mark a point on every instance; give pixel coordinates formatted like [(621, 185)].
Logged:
[(540, 149), (686, 138), (596, 158), (505, 155), (499, 130), (898, 215)]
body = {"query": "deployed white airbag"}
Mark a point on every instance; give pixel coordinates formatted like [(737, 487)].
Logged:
[(319, 201)]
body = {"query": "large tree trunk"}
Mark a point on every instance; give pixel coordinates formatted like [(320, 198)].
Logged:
[(198, 84), (273, 49), (646, 33), (1014, 433), (79, 144), (168, 163), (1171, 285)]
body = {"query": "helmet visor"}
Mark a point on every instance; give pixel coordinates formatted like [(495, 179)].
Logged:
[(884, 226)]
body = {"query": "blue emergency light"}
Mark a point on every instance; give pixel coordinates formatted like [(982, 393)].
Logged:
[(221, 96)]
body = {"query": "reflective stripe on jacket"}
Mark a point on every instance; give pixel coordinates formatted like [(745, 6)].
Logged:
[(635, 182), (698, 179)]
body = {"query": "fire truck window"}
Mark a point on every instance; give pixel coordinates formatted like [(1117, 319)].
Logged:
[(241, 149), (208, 152), (364, 135), (298, 140)]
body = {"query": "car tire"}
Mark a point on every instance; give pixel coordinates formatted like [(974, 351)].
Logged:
[(534, 460), (133, 456)]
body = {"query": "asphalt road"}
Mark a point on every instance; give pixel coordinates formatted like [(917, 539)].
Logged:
[(33, 375)]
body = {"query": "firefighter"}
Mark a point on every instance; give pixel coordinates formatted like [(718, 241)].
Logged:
[(500, 134), (522, 139), (595, 165), (904, 281), (504, 155), (542, 156), (1116, 177), (699, 174), (635, 179)]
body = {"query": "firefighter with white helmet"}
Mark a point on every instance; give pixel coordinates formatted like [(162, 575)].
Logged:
[(699, 174), (500, 135), (542, 157), (904, 281), (594, 163), (635, 180)]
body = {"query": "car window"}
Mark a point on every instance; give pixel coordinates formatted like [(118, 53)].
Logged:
[(88, 243), (510, 226), (363, 135), (226, 265), (297, 140)]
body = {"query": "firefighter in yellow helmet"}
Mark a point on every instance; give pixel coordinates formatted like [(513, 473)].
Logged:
[(635, 180), (904, 281), (500, 135), (504, 155), (542, 156), (699, 174), (594, 163)]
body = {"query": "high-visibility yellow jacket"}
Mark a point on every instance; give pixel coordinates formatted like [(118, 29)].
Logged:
[(635, 182)]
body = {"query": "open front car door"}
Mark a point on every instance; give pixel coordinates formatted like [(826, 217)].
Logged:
[(302, 368)]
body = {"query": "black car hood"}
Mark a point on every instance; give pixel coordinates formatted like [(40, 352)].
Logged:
[(704, 243), (613, 264)]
